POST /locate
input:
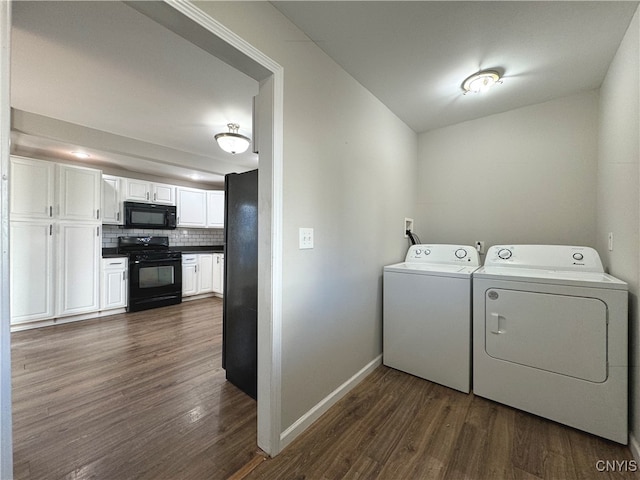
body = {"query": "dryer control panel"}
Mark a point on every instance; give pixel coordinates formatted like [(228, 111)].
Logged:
[(547, 257), (446, 254)]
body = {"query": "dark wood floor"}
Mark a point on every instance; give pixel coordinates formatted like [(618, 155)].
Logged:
[(395, 426), (135, 396), (142, 396)]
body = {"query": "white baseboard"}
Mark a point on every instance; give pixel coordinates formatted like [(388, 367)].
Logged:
[(634, 446), (321, 407)]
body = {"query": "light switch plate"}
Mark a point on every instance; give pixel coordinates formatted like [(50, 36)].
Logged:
[(306, 238)]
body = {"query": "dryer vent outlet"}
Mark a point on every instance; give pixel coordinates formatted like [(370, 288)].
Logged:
[(408, 226)]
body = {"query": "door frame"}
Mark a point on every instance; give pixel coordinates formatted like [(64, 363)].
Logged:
[(243, 56)]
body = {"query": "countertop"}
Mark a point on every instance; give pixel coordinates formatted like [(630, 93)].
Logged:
[(113, 252)]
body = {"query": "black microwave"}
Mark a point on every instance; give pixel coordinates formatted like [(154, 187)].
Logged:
[(149, 215)]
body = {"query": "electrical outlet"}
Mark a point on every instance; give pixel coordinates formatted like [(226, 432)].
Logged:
[(306, 238), (610, 241), (480, 246)]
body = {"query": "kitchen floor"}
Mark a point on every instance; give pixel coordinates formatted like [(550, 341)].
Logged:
[(133, 396), (143, 396)]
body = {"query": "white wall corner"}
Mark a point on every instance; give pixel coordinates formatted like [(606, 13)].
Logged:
[(326, 403)]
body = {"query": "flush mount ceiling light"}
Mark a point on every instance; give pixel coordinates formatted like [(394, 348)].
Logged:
[(232, 141), (82, 155), (481, 81)]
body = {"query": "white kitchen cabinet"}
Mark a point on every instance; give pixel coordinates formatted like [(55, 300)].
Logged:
[(205, 273), (198, 273), (149, 192), (114, 283), (32, 189), (215, 209), (218, 272), (189, 275), (79, 251), (192, 207), (31, 273), (112, 212), (79, 193)]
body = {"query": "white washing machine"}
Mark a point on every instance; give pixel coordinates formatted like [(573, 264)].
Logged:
[(550, 336), (427, 314)]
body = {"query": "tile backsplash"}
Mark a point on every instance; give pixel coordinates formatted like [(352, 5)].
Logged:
[(179, 237)]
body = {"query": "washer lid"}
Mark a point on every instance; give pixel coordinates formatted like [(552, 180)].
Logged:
[(437, 269)]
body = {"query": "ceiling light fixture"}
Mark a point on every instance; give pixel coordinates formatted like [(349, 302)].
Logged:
[(481, 82), (232, 141), (82, 155)]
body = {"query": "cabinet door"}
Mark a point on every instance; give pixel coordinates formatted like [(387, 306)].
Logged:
[(114, 283), (78, 268), (164, 194), (192, 207), (31, 188), (31, 273), (218, 270), (205, 272), (137, 190), (112, 200), (189, 274), (79, 195), (215, 209)]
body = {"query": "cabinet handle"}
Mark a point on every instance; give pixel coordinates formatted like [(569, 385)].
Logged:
[(147, 195), (155, 197), (51, 210), (123, 275), (118, 216), (50, 230), (98, 214), (97, 231), (196, 268)]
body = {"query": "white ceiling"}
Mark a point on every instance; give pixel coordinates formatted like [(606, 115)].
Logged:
[(103, 76), (152, 100), (415, 55)]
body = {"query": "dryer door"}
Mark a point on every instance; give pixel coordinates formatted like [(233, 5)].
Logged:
[(557, 333)]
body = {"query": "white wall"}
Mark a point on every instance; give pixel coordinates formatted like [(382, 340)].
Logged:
[(618, 187), (345, 179), (524, 176)]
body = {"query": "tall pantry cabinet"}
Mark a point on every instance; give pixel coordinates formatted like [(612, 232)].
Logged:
[(55, 239)]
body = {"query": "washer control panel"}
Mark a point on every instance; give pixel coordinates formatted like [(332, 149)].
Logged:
[(547, 257), (448, 254)]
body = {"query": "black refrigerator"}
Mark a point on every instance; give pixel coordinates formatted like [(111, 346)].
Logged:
[(240, 291)]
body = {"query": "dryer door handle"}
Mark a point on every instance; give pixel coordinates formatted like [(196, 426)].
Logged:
[(496, 323)]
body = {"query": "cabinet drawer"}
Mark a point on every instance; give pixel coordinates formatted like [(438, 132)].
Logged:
[(114, 263)]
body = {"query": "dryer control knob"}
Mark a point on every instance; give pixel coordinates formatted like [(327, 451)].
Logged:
[(427, 251), (461, 253), (578, 256), (418, 252), (504, 253)]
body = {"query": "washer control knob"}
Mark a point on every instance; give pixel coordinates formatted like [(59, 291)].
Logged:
[(461, 253), (427, 251), (418, 252), (578, 256), (504, 253)]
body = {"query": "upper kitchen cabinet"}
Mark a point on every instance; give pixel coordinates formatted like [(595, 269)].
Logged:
[(215, 209), (112, 200), (149, 192), (192, 207), (79, 193), (32, 189)]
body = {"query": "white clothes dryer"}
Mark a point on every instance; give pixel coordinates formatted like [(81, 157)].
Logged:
[(550, 336), (427, 314)]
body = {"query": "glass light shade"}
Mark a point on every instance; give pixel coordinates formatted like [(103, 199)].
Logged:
[(481, 81), (231, 141)]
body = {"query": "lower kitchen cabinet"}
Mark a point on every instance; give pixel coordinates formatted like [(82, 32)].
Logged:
[(79, 253), (218, 272), (31, 272), (114, 283), (199, 273)]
